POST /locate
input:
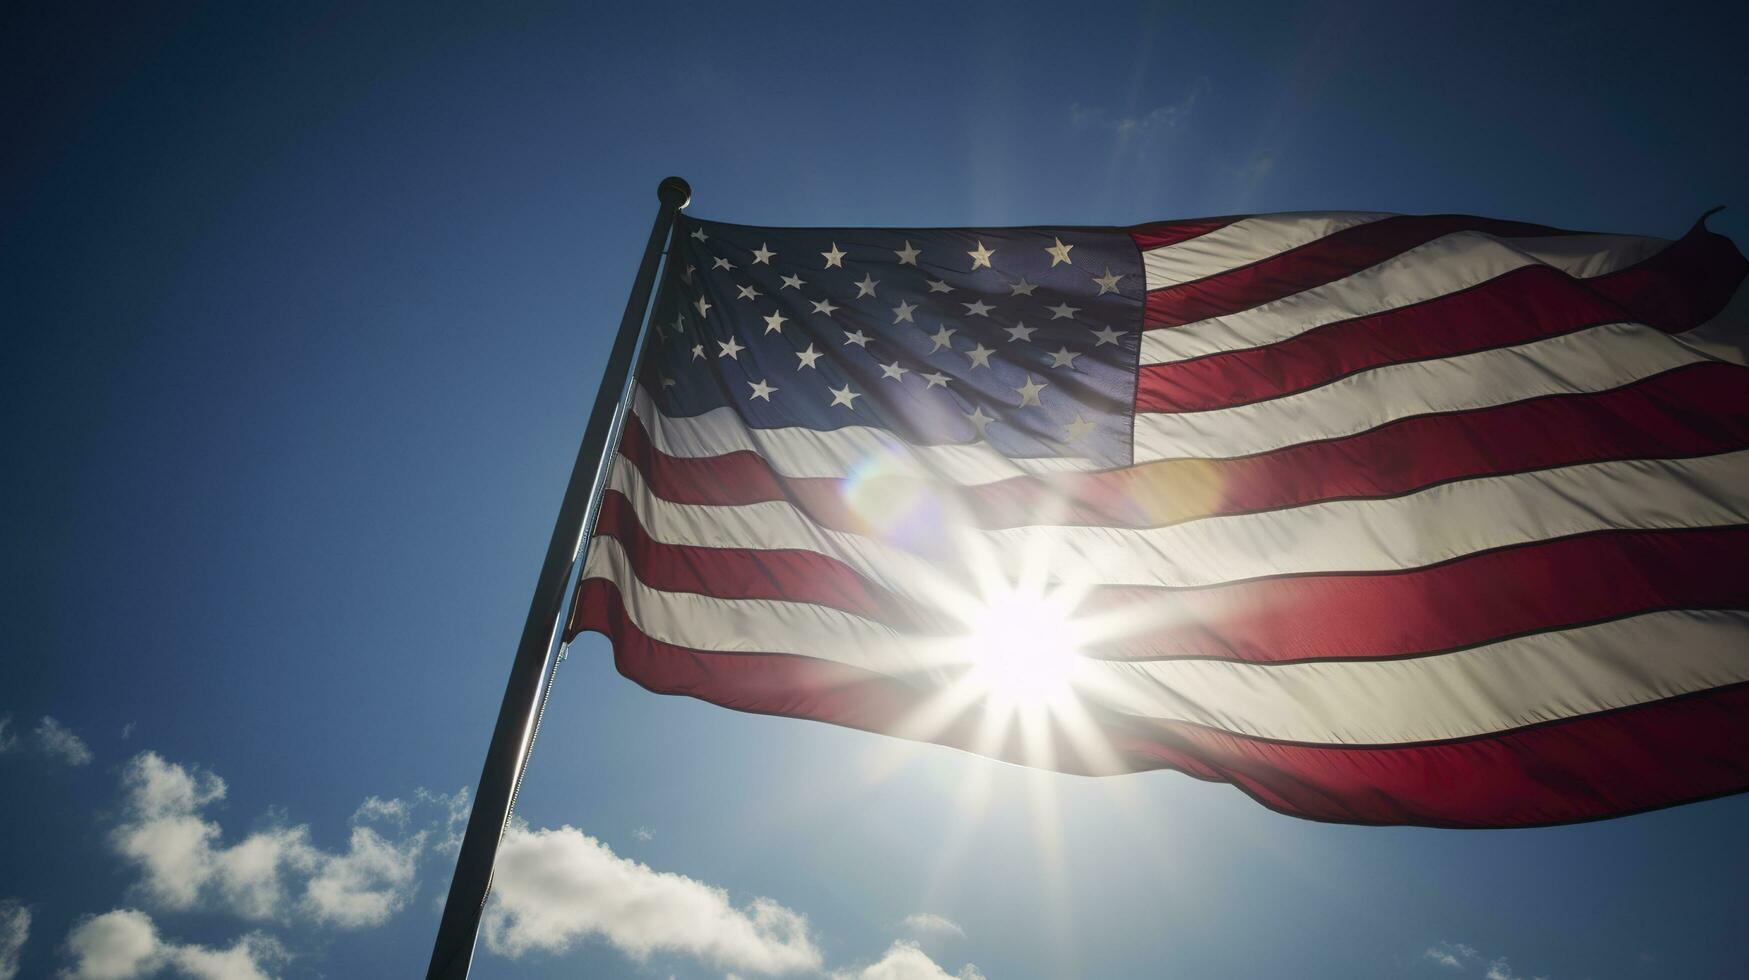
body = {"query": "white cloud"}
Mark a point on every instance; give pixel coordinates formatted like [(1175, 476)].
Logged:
[(124, 945), (14, 932), (365, 886), (553, 888), (931, 924), (377, 808), (8, 741), (644, 834), (904, 960), (127, 731), (59, 743), (182, 859)]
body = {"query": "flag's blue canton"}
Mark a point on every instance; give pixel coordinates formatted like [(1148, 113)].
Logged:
[(1025, 339)]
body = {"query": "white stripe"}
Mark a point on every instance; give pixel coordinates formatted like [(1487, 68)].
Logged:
[(1493, 688), (1481, 690), (1423, 528), (1725, 336), (1441, 266), (804, 452), (1242, 243), (1595, 359)]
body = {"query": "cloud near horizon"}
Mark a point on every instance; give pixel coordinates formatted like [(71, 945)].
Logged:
[(124, 944), (905, 960), (182, 859), (554, 888)]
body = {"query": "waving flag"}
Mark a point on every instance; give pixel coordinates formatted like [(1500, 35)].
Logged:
[(1383, 519)]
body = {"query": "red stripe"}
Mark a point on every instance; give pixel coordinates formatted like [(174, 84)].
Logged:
[(1693, 410), (787, 575), (1327, 259), (1585, 768), (1477, 599), (1675, 290), (1163, 233)]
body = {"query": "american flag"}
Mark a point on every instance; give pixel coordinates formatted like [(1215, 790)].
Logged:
[(1383, 519)]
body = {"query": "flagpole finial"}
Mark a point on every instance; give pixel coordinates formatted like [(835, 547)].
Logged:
[(673, 188)]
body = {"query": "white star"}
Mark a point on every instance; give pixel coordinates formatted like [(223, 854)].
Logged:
[(894, 371), (981, 257), (1020, 331), (1029, 392), (902, 312), (980, 356), (844, 396), (980, 308), (730, 349), (824, 306), (856, 337), (760, 390), (668, 382), (774, 322), (1022, 288), (907, 255), (980, 421), (792, 282), (686, 276), (834, 258), (1059, 253), (697, 351), (1063, 358), (704, 306), (1063, 311), (719, 262), (747, 292), (1107, 336), (1107, 282), (698, 233), (1079, 428), (762, 256), (866, 286), (679, 322), (808, 357), (937, 286), (941, 338), (935, 378)]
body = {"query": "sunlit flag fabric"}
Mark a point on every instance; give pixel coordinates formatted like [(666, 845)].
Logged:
[(1388, 519)]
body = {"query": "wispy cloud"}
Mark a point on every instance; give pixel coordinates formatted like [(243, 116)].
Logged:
[(269, 875), (59, 743), (8, 741), (1165, 115), (14, 933), (553, 888), (928, 923), (124, 944), (1452, 955), (1470, 961), (905, 960), (644, 834)]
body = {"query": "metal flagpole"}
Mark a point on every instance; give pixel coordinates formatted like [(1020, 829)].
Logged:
[(453, 953)]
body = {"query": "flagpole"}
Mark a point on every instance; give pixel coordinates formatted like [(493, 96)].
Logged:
[(453, 952)]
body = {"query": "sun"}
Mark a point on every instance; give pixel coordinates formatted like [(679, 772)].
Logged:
[(1023, 650)]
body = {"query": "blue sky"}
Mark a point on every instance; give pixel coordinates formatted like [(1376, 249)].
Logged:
[(304, 308)]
